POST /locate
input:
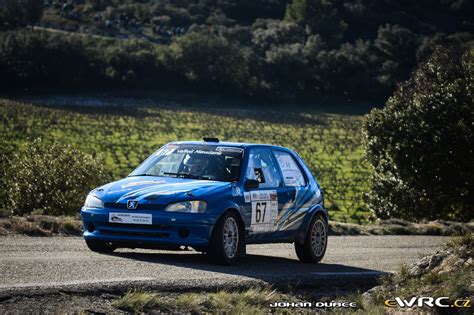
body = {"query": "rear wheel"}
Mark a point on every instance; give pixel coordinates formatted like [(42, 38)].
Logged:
[(100, 246), (314, 246), (227, 240)]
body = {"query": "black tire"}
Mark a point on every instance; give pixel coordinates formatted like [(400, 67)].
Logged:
[(217, 249), (308, 253), (100, 246)]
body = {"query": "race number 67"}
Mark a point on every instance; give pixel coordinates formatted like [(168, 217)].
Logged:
[(259, 208)]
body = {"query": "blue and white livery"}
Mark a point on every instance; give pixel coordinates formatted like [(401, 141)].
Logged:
[(214, 197)]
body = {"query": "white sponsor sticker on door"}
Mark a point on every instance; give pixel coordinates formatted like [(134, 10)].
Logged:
[(130, 218), (264, 210), (263, 195)]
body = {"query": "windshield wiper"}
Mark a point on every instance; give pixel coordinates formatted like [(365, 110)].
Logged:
[(186, 175), (144, 174), (181, 174)]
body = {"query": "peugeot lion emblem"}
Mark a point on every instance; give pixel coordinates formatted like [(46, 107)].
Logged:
[(132, 204)]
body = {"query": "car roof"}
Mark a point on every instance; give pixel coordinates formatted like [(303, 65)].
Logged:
[(232, 144)]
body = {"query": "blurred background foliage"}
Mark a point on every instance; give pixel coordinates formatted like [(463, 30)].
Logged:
[(418, 149), (356, 49)]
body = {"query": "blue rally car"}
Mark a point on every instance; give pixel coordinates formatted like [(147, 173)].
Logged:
[(213, 196)]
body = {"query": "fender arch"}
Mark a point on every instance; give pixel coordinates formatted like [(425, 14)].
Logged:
[(236, 210), (316, 209)]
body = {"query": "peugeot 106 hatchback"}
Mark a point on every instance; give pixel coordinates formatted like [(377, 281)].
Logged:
[(213, 196)]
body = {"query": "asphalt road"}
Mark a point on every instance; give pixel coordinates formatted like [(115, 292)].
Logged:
[(37, 263)]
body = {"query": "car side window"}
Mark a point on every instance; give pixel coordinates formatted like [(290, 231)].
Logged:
[(262, 168), (292, 174)]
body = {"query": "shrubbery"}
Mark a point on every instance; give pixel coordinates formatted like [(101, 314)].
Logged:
[(40, 59), (18, 13), (52, 178), (421, 143), (244, 49)]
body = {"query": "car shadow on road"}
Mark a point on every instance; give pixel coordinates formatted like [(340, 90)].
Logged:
[(274, 270)]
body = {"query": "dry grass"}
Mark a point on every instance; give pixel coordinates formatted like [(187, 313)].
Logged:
[(251, 301), (41, 225)]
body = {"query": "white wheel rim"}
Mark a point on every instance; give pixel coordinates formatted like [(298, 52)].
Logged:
[(318, 238), (231, 237)]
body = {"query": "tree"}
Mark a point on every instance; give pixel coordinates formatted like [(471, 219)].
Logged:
[(396, 47), (321, 16), (349, 70), (43, 59), (20, 13), (208, 61), (420, 143)]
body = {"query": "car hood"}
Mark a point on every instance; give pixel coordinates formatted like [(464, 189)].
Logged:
[(159, 190)]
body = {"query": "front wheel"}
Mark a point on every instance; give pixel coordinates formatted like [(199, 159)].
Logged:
[(100, 246), (227, 240), (314, 246)]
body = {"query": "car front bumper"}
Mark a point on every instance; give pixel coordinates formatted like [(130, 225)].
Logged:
[(168, 229)]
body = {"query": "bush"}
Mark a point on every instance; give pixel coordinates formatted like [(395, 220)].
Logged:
[(420, 144), (5, 152), (320, 16), (54, 178), (18, 13), (41, 59), (209, 61)]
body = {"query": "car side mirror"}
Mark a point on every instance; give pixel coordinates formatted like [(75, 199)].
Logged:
[(251, 184)]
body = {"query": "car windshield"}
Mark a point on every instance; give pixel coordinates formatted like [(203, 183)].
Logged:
[(207, 162)]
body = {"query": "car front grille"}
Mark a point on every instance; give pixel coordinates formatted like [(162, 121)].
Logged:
[(157, 231), (134, 226), (135, 233)]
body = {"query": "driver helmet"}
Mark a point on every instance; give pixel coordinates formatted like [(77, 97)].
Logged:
[(195, 164)]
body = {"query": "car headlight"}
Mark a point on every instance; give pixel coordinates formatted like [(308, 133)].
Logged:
[(93, 202), (194, 206)]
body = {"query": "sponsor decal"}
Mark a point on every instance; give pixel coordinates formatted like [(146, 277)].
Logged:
[(197, 151), (427, 301), (291, 172), (273, 195), (247, 196), (304, 304), (229, 149), (130, 218), (115, 219), (263, 195), (264, 210), (166, 150)]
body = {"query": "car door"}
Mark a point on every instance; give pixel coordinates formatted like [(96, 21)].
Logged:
[(262, 204), (295, 187)]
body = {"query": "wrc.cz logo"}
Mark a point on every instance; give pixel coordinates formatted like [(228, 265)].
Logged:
[(428, 301)]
